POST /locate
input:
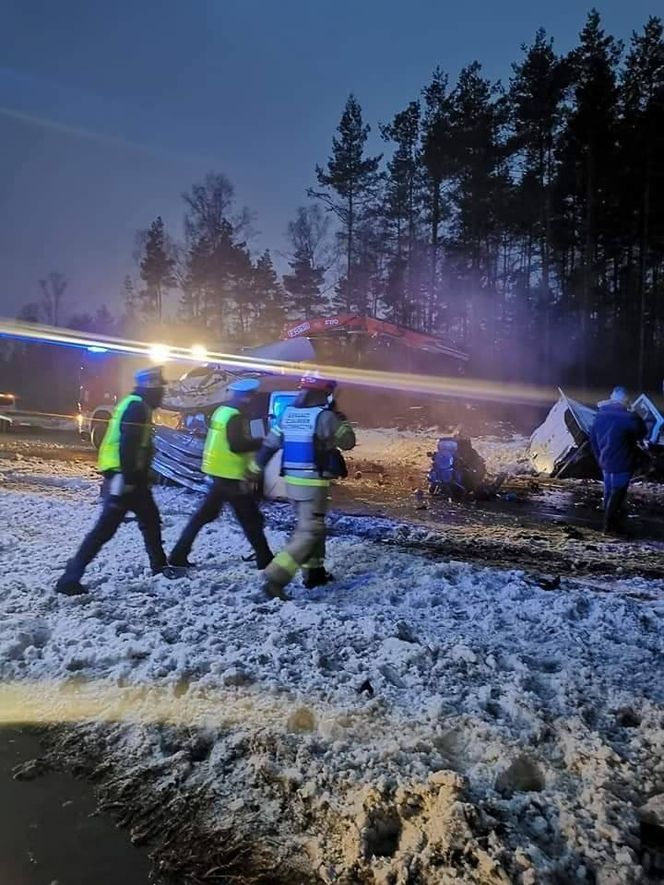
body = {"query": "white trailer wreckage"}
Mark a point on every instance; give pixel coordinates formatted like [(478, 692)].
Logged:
[(179, 443), (560, 446)]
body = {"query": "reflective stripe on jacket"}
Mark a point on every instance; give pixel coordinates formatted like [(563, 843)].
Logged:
[(298, 430), (218, 459), (109, 450)]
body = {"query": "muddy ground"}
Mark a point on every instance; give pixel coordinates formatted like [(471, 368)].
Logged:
[(531, 516), (549, 527)]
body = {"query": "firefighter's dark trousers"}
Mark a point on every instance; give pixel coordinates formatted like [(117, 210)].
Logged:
[(138, 501), (241, 500), (306, 547)]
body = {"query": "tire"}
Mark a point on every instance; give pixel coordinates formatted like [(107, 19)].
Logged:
[(98, 430), (5, 426)]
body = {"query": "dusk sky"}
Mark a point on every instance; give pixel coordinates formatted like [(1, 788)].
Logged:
[(110, 110)]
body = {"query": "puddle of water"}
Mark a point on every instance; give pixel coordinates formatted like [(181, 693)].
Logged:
[(48, 835)]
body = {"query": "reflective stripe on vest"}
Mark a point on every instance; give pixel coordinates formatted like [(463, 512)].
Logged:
[(218, 459), (109, 450), (298, 427)]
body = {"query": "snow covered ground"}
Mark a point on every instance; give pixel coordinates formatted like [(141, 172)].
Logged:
[(408, 450), (417, 721)]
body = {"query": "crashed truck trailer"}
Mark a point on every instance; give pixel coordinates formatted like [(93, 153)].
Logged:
[(560, 446), (190, 402)]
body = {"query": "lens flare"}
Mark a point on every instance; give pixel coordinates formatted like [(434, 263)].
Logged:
[(468, 389), (159, 353), (199, 353)]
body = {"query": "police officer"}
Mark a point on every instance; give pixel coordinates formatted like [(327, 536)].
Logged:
[(311, 432), (227, 458), (125, 456)]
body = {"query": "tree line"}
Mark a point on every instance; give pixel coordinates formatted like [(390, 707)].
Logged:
[(522, 220)]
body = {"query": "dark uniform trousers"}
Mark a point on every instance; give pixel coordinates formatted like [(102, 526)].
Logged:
[(243, 503), (138, 501)]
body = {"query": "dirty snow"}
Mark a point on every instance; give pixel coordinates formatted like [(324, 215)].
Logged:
[(418, 718), (407, 450)]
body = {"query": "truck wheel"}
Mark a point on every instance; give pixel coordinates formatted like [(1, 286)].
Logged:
[(98, 431)]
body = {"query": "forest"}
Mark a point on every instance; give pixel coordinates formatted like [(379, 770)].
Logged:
[(521, 220)]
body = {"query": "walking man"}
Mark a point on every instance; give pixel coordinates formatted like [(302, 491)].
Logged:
[(614, 438), (227, 458), (125, 456), (311, 432)]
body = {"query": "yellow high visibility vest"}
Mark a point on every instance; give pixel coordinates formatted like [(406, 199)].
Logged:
[(218, 459), (109, 450)]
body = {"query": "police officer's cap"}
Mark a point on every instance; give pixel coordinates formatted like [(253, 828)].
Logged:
[(244, 385), (150, 378)]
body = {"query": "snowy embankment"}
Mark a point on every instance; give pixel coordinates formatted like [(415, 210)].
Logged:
[(416, 721)]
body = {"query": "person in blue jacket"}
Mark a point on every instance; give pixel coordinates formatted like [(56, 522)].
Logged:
[(615, 438)]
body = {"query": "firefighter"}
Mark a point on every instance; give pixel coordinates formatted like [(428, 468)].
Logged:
[(615, 438), (227, 458), (311, 432), (125, 456)]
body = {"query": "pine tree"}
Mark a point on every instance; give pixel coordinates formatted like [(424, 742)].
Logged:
[(480, 193), (589, 161), (304, 286), (157, 269), (537, 93), (641, 148), (402, 205), (352, 177), (309, 260), (266, 297), (438, 159), (194, 307), (217, 266)]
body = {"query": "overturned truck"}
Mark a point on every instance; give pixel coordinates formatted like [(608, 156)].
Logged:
[(189, 403), (347, 339), (560, 446)]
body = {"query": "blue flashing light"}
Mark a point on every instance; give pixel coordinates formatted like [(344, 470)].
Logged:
[(95, 349)]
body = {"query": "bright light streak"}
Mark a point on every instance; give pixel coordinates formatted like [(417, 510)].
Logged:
[(159, 353), (86, 700), (94, 349), (199, 353), (467, 389)]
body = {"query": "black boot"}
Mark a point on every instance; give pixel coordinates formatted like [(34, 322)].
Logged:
[(317, 577), (264, 559), (613, 512), (167, 571), (180, 561), (275, 591), (70, 587)]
